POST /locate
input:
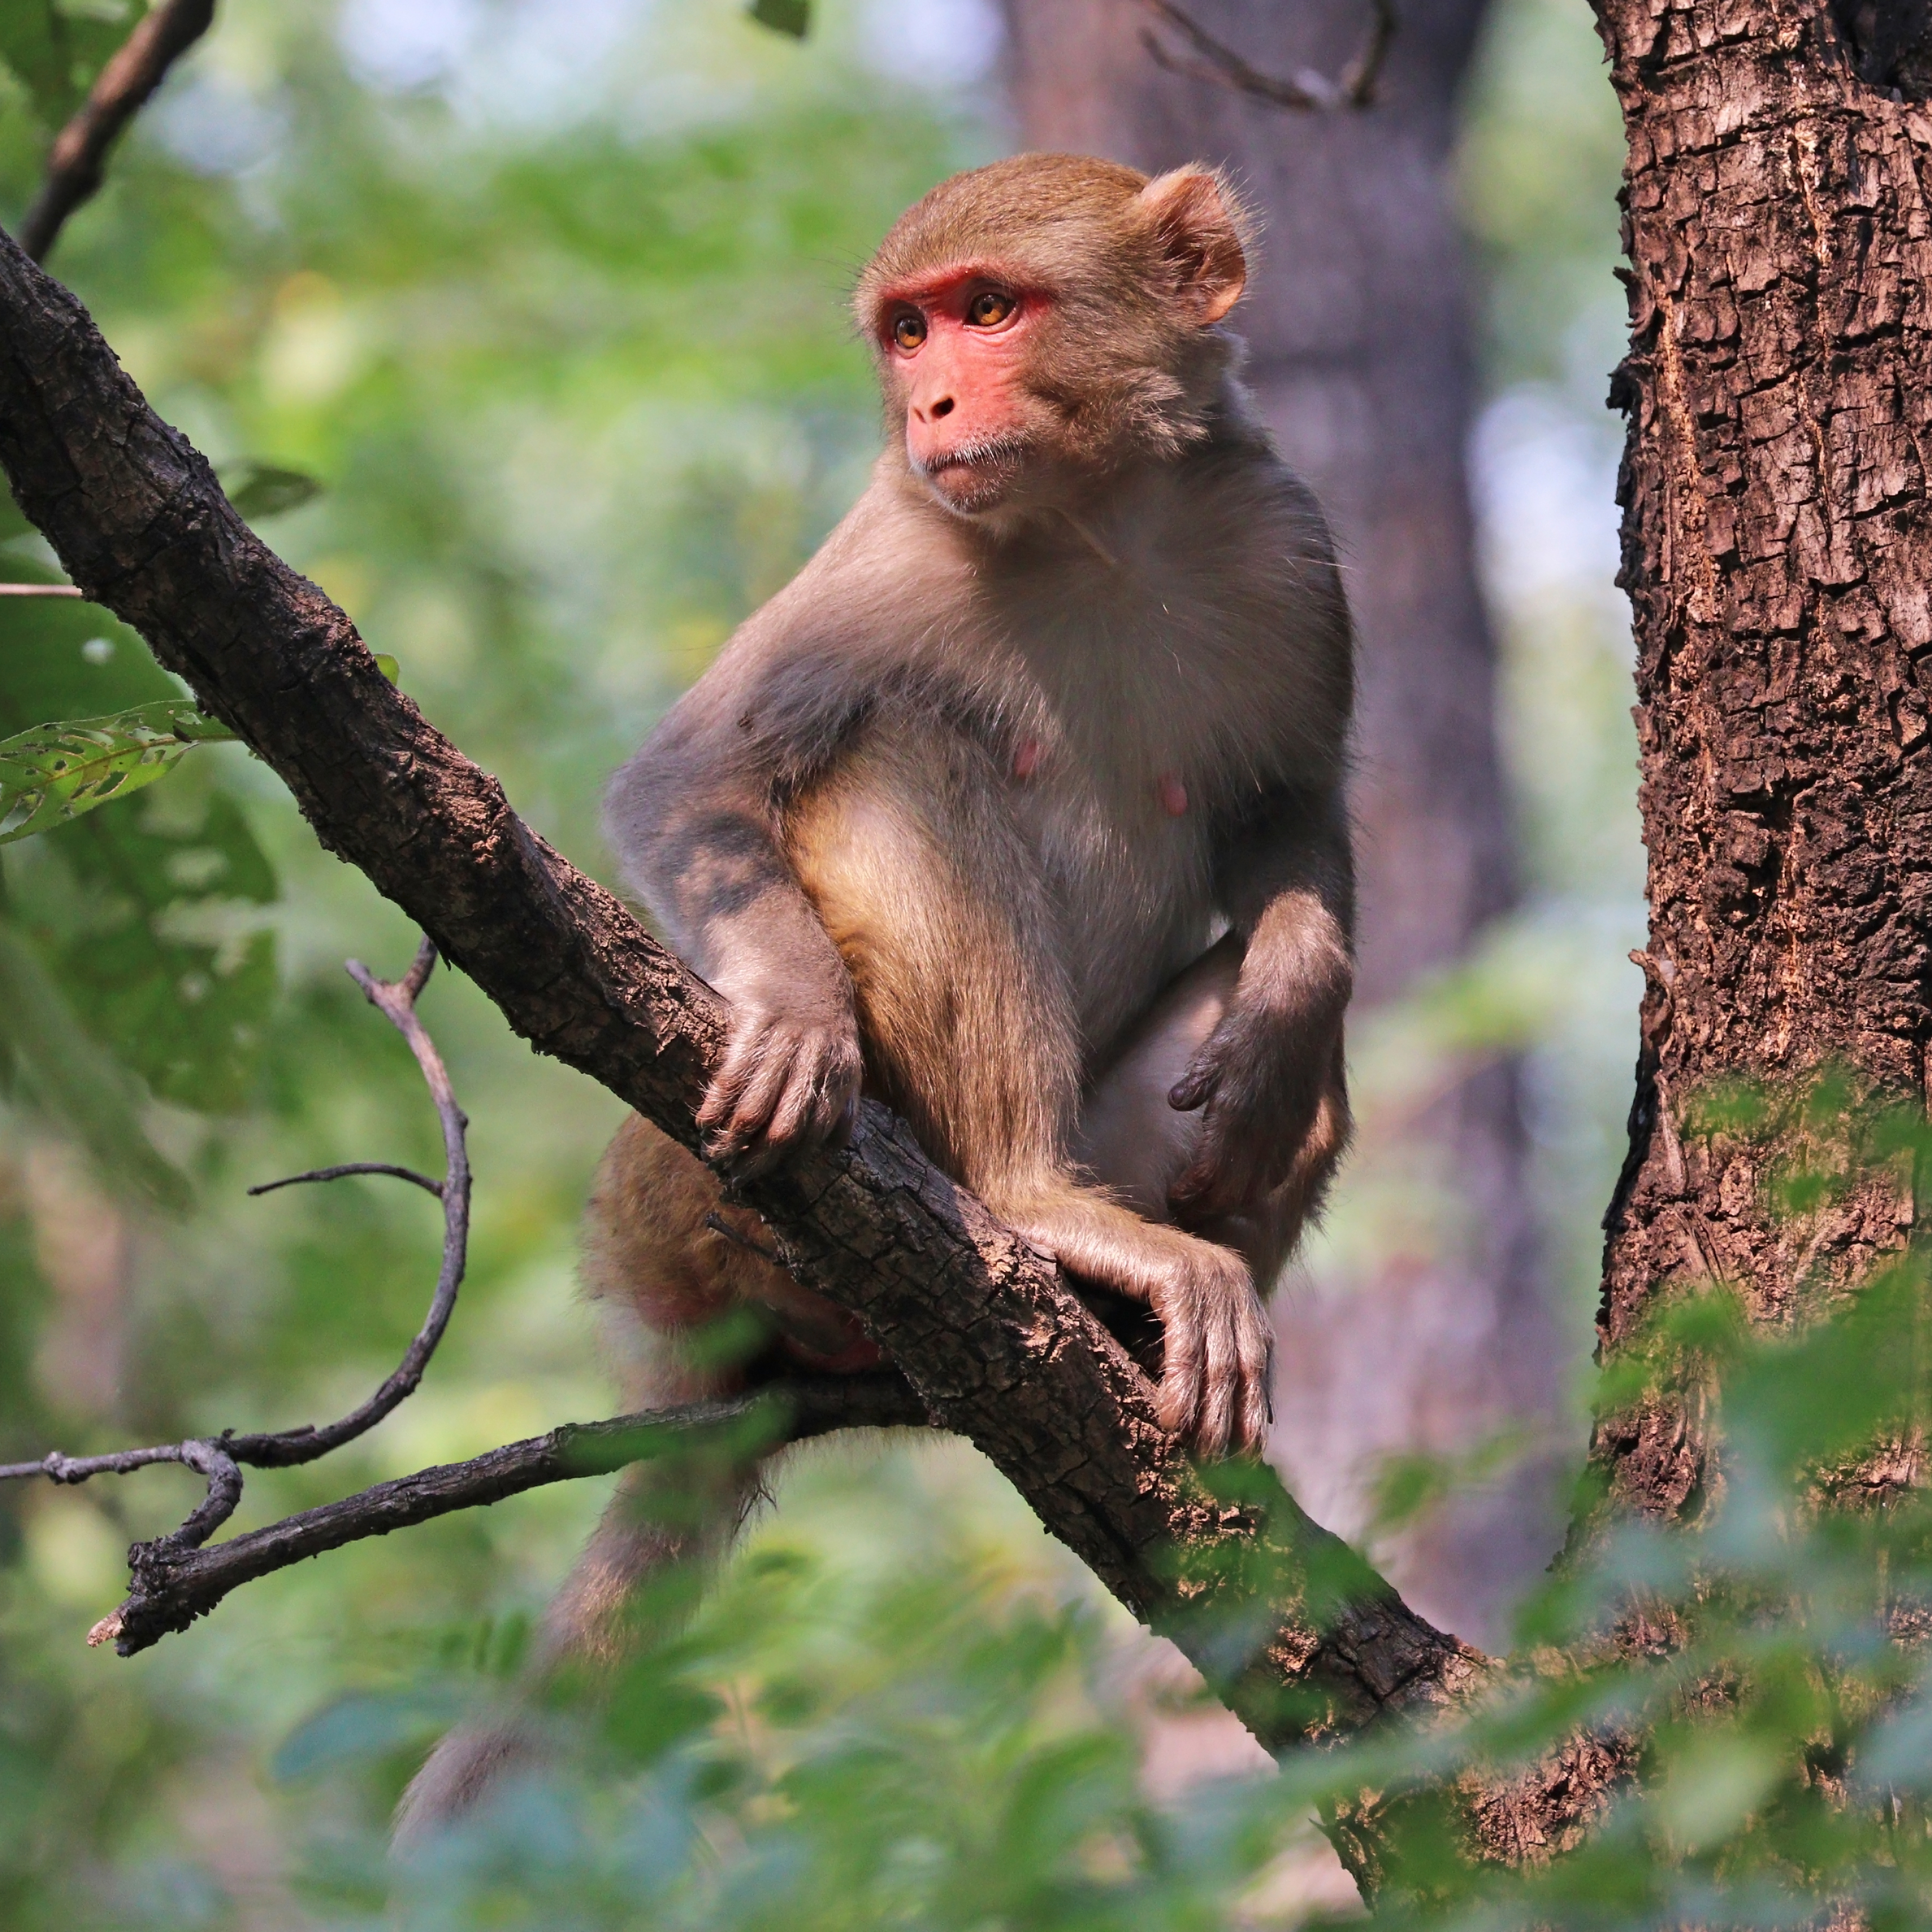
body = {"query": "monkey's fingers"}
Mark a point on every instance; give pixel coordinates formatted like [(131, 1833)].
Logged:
[(1220, 1384), (738, 1132), (1183, 1348), (1239, 1365), (821, 1088), (1254, 1343), (1195, 1087), (747, 1087), (730, 1076)]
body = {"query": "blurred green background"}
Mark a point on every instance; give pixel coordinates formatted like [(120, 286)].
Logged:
[(550, 297)]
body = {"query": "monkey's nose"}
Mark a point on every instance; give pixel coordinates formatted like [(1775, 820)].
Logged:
[(943, 407)]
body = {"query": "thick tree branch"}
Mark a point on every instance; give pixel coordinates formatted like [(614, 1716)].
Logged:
[(137, 69), (992, 1340)]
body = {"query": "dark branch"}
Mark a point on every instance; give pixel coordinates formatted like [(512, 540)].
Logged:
[(396, 1002), (59, 1468), (994, 1342), (1304, 92), (718, 1225), (348, 1168), (173, 1584), (73, 166)]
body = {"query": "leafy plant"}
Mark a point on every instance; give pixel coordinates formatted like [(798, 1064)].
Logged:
[(52, 773)]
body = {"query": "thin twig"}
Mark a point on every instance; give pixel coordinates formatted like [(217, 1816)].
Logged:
[(59, 1468), (175, 1578), (718, 1225), (1359, 75), (41, 590), (348, 1168), (396, 1002), (219, 1460), (133, 72), (172, 1586), (1304, 92)]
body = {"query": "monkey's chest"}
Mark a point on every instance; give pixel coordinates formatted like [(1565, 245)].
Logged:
[(1125, 869)]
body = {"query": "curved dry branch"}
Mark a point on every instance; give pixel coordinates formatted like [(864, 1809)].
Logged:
[(1304, 91), (1295, 1630), (219, 1460), (137, 69), (396, 1002)]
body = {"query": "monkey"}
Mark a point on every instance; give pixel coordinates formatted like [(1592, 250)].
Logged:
[(1021, 809)]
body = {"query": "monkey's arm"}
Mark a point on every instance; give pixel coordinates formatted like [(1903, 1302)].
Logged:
[(696, 818), (1286, 883)]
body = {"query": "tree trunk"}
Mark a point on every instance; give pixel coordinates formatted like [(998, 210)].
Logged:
[(1778, 558), (1358, 324)]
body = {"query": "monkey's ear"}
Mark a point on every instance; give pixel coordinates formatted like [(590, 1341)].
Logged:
[(1200, 227)]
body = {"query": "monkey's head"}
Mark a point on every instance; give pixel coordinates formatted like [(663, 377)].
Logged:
[(1050, 318)]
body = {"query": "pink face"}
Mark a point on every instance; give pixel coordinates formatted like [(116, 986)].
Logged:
[(956, 344)]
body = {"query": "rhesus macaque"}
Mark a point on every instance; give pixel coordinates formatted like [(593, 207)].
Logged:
[(1021, 808)]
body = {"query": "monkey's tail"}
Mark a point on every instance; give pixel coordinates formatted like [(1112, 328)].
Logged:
[(662, 1516)]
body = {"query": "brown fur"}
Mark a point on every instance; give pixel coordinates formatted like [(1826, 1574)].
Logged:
[(918, 825)]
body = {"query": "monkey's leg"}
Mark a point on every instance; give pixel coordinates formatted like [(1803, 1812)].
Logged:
[(968, 1027), (1136, 1144), (666, 1258)]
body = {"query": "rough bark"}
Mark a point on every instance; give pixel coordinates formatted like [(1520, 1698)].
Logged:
[(994, 1344), (1778, 557), (1357, 325)]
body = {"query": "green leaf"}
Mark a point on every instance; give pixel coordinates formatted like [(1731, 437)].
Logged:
[(387, 665), (56, 51), (259, 489), (161, 947), (783, 16), (53, 772), (74, 1080)]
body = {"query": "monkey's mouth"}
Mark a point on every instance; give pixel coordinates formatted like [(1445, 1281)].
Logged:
[(972, 475)]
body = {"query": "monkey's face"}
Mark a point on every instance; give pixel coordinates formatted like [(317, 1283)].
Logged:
[(1042, 322), (955, 347)]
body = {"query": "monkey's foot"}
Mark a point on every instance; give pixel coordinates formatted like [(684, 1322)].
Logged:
[(1218, 1355)]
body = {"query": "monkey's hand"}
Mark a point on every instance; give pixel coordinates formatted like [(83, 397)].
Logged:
[(1217, 1354), (1259, 1080), (789, 1077)]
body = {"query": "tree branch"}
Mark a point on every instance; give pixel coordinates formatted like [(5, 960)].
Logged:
[(1303, 92), (1293, 1629), (219, 1460), (173, 1584), (137, 69)]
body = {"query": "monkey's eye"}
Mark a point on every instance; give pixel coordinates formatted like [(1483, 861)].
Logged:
[(989, 308), (909, 331)]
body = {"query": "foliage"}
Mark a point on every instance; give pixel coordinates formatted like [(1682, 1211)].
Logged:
[(922, 1747), (50, 773)]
